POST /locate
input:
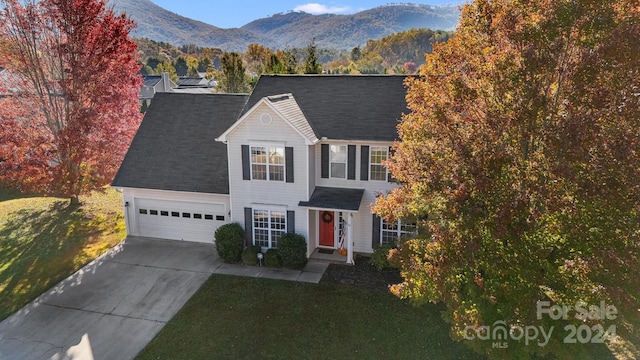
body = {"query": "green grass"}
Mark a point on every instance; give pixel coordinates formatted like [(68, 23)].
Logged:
[(42, 241), (247, 318)]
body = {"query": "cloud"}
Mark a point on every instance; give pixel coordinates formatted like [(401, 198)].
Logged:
[(316, 9)]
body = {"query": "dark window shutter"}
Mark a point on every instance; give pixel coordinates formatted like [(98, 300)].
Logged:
[(248, 226), (375, 234), (364, 162), (246, 163), (291, 222), (288, 161), (324, 161), (351, 162), (389, 177)]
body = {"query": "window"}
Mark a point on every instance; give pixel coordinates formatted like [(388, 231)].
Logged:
[(164, 213), (378, 155), (175, 214), (268, 227), (153, 212), (197, 216), (220, 217), (338, 155), (186, 215), (208, 217), (392, 231), (143, 211), (267, 163)]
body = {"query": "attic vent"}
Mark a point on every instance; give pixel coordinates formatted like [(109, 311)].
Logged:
[(279, 98)]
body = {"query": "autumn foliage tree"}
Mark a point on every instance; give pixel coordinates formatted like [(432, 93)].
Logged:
[(70, 110), (521, 149)]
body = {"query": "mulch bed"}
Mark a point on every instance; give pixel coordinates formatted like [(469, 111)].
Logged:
[(362, 275)]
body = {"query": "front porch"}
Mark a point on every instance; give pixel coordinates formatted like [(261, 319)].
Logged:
[(330, 215), (331, 256)]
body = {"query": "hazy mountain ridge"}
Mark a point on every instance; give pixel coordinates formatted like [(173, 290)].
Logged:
[(291, 29)]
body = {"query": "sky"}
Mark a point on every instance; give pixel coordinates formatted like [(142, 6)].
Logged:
[(236, 13)]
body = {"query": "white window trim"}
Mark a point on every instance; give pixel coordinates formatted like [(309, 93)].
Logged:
[(398, 230), (331, 162), (371, 163), (267, 146), (269, 210)]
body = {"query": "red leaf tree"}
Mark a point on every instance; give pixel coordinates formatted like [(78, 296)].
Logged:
[(69, 105), (523, 148)]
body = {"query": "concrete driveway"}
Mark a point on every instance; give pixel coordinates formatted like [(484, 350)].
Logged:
[(112, 307)]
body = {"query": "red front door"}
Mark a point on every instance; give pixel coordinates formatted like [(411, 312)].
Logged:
[(326, 229)]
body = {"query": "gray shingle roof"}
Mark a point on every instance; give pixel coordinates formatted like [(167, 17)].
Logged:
[(334, 198), (174, 148), (342, 107), (151, 80)]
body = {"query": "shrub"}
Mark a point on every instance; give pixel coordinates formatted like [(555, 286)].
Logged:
[(380, 257), (250, 255), (272, 258), (293, 250), (230, 242)]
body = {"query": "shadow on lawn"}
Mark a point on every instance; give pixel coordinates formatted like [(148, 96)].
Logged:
[(38, 249)]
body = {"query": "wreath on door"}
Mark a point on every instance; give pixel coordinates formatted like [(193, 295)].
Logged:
[(327, 216)]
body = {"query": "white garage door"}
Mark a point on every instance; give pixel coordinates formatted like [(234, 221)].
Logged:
[(178, 220)]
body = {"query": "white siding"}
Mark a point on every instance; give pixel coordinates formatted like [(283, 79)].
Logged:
[(254, 193), (362, 231)]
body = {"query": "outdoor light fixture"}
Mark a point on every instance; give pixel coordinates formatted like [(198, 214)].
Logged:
[(260, 257)]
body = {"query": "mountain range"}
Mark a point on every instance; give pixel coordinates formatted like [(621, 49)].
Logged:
[(287, 30)]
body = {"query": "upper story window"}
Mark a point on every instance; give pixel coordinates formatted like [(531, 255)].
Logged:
[(378, 154), (338, 161), (267, 163)]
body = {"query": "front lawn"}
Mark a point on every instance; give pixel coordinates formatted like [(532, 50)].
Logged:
[(42, 241), (248, 318)]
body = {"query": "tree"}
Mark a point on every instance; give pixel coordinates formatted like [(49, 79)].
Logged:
[(180, 64), (290, 61), (521, 149), (233, 78), (256, 56), (168, 68), (311, 65), (78, 90)]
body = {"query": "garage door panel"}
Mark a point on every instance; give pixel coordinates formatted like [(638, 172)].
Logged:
[(179, 220)]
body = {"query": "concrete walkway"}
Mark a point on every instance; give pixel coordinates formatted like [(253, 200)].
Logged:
[(114, 306)]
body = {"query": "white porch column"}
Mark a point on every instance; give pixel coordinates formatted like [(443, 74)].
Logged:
[(350, 238)]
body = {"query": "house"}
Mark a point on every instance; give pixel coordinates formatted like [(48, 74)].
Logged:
[(195, 85), (153, 84), (302, 153)]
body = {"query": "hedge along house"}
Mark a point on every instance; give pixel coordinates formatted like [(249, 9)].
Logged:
[(303, 154)]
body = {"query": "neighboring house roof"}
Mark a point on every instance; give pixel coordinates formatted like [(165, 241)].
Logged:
[(342, 107), (174, 148), (193, 81), (151, 80)]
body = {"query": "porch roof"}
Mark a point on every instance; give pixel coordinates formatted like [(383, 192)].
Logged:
[(330, 198)]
